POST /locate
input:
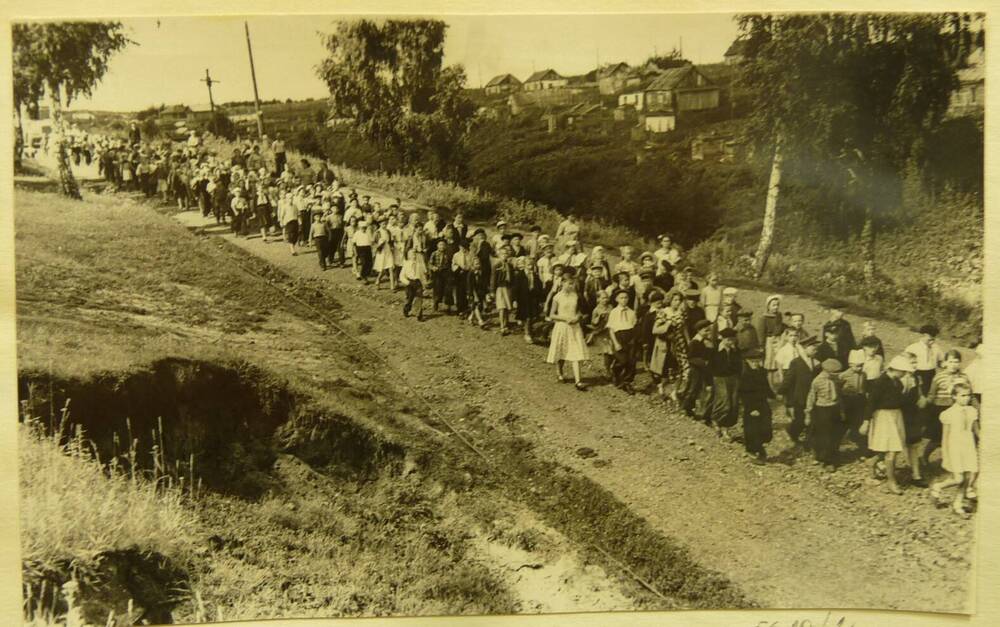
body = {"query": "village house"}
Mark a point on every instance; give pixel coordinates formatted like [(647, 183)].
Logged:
[(676, 89), (681, 89), (502, 84), (545, 79), (612, 79), (174, 113)]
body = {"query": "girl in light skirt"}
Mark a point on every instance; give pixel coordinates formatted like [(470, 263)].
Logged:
[(567, 343)]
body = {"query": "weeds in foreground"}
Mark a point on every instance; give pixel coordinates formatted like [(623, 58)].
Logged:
[(76, 509)]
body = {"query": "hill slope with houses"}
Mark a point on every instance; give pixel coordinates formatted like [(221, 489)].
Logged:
[(656, 147)]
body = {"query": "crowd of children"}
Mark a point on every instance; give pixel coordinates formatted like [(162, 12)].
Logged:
[(705, 353)]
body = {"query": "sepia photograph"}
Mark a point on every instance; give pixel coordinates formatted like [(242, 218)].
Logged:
[(396, 315)]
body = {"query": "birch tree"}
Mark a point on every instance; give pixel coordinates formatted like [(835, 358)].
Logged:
[(851, 97), (61, 61)]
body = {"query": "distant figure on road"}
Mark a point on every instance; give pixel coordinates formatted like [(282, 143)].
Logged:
[(278, 148), (134, 134)]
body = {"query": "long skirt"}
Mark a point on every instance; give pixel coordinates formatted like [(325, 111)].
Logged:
[(567, 343), (886, 434)]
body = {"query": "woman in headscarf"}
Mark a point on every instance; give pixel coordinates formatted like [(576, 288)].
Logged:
[(769, 326)]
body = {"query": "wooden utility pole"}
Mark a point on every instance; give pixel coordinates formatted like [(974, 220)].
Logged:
[(208, 81), (253, 75)]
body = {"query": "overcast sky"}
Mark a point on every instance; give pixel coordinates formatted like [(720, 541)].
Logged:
[(167, 65)]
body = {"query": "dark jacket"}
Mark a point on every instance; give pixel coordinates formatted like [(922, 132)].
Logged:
[(798, 378), (726, 363), (754, 390)]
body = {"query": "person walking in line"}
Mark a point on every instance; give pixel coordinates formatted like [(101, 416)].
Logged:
[(886, 431), (795, 387), (320, 239), (413, 276), (960, 427), (567, 343), (824, 414), (754, 393), (726, 365)]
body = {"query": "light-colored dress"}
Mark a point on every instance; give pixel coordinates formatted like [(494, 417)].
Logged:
[(958, 446), (385, 256), (568, 343), (397, 236)]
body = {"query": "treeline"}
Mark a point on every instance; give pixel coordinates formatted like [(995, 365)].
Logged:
[(611, 179)]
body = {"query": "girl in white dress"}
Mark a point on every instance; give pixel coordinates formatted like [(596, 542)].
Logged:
[(385, 256), (567, 342), (960, 424)]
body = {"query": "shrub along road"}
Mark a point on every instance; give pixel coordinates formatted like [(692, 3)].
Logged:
[(789, 534)]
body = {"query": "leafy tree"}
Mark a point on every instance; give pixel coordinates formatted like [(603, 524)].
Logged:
[(667, 61), (149, 128), (221, 126), (845, 101), (388, 77), (62, 60)]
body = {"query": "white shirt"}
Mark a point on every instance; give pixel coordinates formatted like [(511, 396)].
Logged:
[(928, 358), (362, 237), (621, 319)]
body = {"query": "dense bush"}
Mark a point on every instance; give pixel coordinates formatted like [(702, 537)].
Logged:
[(221, 126)]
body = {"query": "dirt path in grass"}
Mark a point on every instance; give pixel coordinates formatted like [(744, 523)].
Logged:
[(789, 534)]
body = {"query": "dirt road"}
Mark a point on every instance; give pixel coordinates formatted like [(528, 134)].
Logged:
[(789, 534)]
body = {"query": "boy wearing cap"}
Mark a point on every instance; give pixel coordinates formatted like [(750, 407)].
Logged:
[(683, 280), (498, 239), (832, 347), (725, 365), (729, 300), (754, 392), (695, 313), (595, 282), (698, 387), (622, 325), (824, 414), (796, 384)]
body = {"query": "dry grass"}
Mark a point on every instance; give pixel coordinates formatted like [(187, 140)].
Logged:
[(73, 508)]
